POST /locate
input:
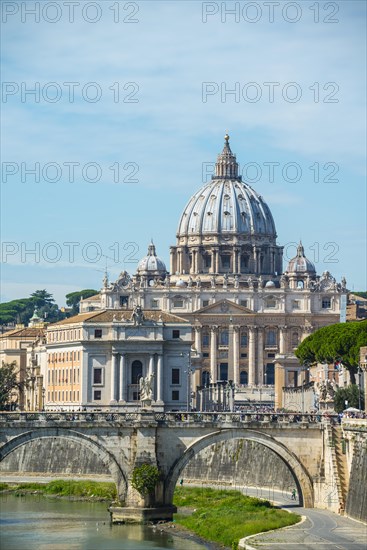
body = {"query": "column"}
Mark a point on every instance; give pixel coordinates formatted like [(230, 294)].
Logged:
[(160, 378), (236, 354), (150, 373), (282, 340), (179, 262), (173, 261), (198, 339), (213, 354), (260, 356), (122, 388), (234, 260), (254, 250), (217, 261), (239, 261), (280, 382), (251, 357), (114, 367), (198, 260)]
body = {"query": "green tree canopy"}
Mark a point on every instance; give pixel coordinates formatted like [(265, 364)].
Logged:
[(73, 298), (20, 311), (339, 342), (352, 394), (8, 383)]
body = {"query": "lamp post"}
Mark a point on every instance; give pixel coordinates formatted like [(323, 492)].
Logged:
[(189, 371), (359, 387)]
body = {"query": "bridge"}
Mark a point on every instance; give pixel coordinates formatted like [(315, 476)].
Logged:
[(116, 443)]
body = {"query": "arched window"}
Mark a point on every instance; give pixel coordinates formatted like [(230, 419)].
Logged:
[(300, 284), (136, 371), (243, 377), (205, 378)]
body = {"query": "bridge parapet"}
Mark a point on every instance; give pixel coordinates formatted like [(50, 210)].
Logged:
[(127, 418)]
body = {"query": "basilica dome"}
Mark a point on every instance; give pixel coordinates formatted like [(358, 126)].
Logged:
[(226, 205), (300, 264), (151, 263)]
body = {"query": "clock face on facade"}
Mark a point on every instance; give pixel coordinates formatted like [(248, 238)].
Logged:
[(124, 279)]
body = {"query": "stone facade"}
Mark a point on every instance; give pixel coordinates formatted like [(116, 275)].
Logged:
[(226, 278), (108, 358)]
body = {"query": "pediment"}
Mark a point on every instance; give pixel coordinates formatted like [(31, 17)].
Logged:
[(225, 307)]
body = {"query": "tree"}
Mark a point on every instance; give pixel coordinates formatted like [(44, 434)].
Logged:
[(349, 394), (42, 298), (8, 383), (339, 342), (73, 298), (145, 478)]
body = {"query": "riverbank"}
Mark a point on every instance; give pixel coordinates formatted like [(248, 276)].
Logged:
[(224, 517), (59, 488), (217, 519)]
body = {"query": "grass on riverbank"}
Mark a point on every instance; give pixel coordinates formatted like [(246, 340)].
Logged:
[(225, 517), (85, 489)]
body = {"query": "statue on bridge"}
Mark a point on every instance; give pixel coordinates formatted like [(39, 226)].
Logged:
[(146, 387)]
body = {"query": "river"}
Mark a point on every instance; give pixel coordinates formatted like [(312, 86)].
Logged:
[(33, 522)]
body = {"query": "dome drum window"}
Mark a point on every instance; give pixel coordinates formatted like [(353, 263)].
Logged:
[(271, 302)]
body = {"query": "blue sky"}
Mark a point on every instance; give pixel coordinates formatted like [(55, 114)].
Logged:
[(172, 71)]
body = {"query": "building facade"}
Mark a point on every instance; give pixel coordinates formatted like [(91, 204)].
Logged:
[(226, 278), (108, 359)]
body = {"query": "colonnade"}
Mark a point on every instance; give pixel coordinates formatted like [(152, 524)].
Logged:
[(258, 259), (255, 348), (121, 377)]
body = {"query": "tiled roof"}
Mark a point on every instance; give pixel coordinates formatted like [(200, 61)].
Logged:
[(80, 318), (26, 332), (90, 298), (107, 316)]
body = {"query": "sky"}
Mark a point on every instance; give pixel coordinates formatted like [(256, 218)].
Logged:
[(113, 114)]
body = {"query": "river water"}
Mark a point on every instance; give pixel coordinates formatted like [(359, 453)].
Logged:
[(33, 522)]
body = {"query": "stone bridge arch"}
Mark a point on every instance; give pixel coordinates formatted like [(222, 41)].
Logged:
[(301, 477), (105, 456)]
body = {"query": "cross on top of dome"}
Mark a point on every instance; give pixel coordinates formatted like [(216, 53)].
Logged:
[(226, 166), (151, 249)]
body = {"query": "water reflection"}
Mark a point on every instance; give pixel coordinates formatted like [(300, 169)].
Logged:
[(39, 523)]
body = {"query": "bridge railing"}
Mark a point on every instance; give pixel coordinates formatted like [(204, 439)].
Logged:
[(246, 418)]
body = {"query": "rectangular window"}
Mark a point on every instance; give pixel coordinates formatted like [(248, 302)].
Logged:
[(223, 338), (98, 333), (205, 355), (223, 371), (124, 300), (175, 334), (271, 355), (243, 355), (244, 303), (97, 395), (178, 303), (154, 303), (243, 339), (175, 395), (205, 340), (97, 376), (226, 262), (326, 303), (296, 304), (207, 261), (175, 376), (205, 303)]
